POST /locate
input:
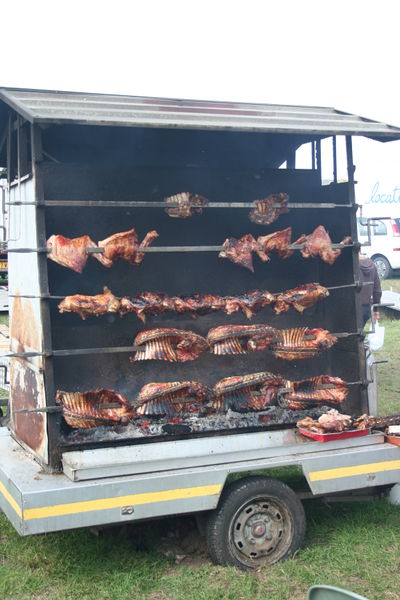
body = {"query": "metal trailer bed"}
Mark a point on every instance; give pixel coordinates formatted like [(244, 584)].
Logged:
[(145, 482)]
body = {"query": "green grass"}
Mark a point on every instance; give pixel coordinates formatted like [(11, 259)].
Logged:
[(355, 546), (389, 373), (392, 284)]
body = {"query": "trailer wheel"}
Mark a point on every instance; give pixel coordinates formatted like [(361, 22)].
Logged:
[(259, 521)]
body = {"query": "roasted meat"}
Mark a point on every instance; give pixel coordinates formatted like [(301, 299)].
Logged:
[(249, 303), (239, 251), (197, 304), (301, 342), (323, 389), (278, 242), (174, 345), (90, 305), (188, 205), (146, 303), (245, 393), (318, 243), (300, 298), (381, 423), (94, 408), (71, 253), (240, 339), (124, 246), (155, 303), (174, 398), (266, 211), (331, 422)]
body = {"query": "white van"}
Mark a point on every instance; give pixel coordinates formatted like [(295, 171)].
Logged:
[(385, 243)]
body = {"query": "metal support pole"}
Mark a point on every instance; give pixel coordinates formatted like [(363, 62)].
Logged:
[(318, 157), (334, 150)]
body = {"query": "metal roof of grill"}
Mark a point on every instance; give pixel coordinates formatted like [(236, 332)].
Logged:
[(39, 106)]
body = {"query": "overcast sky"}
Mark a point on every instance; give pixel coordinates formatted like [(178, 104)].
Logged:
[(341, 53)]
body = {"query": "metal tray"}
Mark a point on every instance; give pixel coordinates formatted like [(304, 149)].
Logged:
[(329, 437), (393, 439)]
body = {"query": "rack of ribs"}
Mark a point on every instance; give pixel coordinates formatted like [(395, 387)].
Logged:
[(301, 342), (299, 298), (70, 253), (174, 398), (331, 422), (188, 205), (318, 243), (314, 391), (174, 345), (101, 304), (266, 211), (124, 246), (244, 393), (94, 408), (240, 339)]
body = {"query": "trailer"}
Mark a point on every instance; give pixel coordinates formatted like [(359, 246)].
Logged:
[(90, 164)]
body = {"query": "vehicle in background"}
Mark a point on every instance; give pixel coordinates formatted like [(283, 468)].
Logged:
[(385, 243), (3, 269)]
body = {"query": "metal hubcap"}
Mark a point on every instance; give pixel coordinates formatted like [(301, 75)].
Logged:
[(381, 268), (260, 529)]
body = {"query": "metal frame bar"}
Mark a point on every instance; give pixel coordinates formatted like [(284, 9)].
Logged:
[(161, 204), (319, 158), (334, 152), (9, 148), (50, 391), (356, 265)]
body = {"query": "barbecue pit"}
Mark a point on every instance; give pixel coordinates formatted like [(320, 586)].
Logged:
[(76, 168)]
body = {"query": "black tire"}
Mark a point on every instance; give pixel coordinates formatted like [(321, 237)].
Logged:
[(258, 521), (383, 267)]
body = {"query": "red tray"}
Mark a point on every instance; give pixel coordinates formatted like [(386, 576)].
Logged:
[(330, 437), (393, 439)]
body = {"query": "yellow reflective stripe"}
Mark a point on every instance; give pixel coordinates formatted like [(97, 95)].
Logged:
[(71, 508), (388, 465), (13, 503)]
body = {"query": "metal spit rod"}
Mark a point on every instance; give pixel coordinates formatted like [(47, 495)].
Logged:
[(326, 386), (74, 352), (122, 349), (56, 409), (156, 249), (59, 409), (357, 284), (161, 204)]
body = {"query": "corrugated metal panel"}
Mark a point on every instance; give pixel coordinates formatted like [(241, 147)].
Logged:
[(101, 109)]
